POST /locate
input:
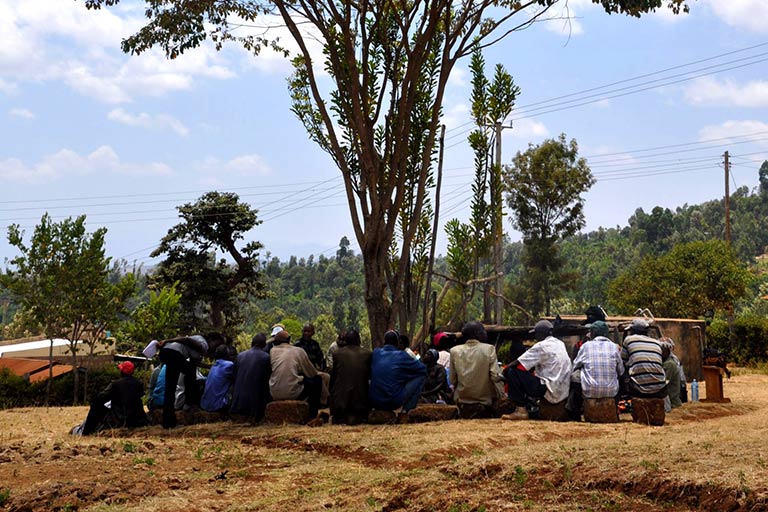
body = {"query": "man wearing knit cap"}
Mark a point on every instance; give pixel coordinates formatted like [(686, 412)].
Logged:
[(126, 408), (543, 371), (643, 361)]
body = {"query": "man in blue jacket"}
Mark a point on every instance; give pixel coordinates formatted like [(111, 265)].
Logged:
[(396, 378)]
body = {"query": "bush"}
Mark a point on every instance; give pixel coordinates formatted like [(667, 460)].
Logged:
[(750, 344), (17, 392)]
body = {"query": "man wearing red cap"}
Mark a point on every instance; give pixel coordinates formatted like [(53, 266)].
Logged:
[(119, 405)]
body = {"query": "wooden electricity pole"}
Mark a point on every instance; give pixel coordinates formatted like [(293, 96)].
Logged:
[(727, 167), (498, 232)]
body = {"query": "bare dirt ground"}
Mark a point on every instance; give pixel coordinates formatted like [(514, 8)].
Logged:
[(707, 457)]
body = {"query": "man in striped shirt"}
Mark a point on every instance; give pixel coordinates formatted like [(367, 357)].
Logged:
[(642, 357)]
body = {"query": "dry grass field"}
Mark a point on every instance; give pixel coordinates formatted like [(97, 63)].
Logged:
[(707, 457)]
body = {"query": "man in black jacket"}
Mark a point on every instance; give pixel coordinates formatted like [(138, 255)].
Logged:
[(125, 407)]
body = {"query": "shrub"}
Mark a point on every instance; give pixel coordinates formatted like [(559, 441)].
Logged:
[(750, 344)]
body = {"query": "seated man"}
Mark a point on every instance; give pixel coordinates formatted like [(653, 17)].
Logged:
[(315, 354), (396, 378), (293, 375), (350, 374), (543, 371), (251, 372), (218, 386), (475, 374), (597, 369), (118, 405), (672, 374), (642, 358)]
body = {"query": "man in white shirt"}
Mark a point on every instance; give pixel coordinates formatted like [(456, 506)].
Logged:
[(543, 371)]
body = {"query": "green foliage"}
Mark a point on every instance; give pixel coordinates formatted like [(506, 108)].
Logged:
[(691, 279), (5, 495), (61, 279), (750, 345), (212, 291), (544, 192), (157, 319)]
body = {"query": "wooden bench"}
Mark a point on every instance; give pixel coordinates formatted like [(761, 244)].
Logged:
[(648, 411), (287, 411), (601, 410)]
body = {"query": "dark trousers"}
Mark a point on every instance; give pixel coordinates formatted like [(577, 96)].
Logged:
[(175, 365), (313, 386), (96, 416), (523, 387)]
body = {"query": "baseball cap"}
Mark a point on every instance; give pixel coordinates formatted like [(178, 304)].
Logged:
[(638, 324), (598, 327), (542, 327), (276, 329)]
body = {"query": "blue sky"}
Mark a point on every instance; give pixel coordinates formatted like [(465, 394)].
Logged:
[(85, 129)]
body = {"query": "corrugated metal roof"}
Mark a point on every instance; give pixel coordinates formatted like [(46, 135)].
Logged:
[(59, 369), (37, 369)]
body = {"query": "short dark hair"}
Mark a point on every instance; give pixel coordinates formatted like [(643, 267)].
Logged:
[(214, 340), (222, 352), (392, 338), (259, 340), (473, 331), (351, 337)]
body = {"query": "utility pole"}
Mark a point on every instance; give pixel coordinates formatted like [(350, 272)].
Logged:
[(497, 229), (727, 167)]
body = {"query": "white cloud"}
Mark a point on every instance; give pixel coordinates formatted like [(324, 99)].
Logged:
[(22, 113), (458, 77), (745, 14), (526, 129), (741, 130), (564, 17), (66, 162), (148, 121), (38, 39), (273, 62), (710, 91), (243, 165), (7, 87)]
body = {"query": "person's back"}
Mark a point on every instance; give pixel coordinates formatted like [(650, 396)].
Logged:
[(475, 371), (350, 375), (289, 365), (127, 406), (391, 371), (216, 396), (643, 360), (599, 360), (549, 359), (251, 372)]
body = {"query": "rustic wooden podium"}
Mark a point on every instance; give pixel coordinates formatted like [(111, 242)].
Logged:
[(713, 377)]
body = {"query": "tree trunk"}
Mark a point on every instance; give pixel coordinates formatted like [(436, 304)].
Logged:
[(379, 308)]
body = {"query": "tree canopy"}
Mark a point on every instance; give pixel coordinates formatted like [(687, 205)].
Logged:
[(212, 290)]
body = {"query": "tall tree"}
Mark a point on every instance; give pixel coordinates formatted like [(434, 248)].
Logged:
[(389, 64), (212, 290), (544, 192), (60, 279)]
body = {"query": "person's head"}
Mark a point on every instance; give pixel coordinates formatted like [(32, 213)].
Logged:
[(474, 331), (308, 331), (276, 329), (430, 358), (214, 340), (282, 337), (666, 349), (437, 338), (404, 342), (598, 328), (392, 338), (259, 340), (542, 329), (670, 341), (126, 368), (638, 326), (351, 337), (222, 352)]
